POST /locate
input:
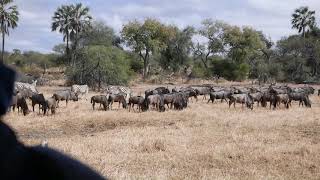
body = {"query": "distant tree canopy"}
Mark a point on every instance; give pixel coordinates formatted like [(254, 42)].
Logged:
[(95, 54)]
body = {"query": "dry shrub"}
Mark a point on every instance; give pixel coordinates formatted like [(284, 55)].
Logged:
[(152, 146)]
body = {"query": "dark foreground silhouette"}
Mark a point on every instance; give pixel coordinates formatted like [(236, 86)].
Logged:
[(18, 161)]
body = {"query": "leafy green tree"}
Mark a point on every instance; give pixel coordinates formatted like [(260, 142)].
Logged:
[(303, 19), (178, 48), (243, 43), (99, 34), (100, 65), (9, 17), (145, 39), (213, 31)]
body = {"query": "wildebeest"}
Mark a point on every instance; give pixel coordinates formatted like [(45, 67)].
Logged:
[(21, 103), (139, 101), (162, 90), (120, 98), (66, 95), (38, 99), (282, 98), (51, 104), (268, 97), (14, 102), (257, 97), (202, 90), (157, 101), (223, 95), (81, 90), (180, 101), (169, 99), (101, 99), (158, 90), (243, 99), (192, 93), (301, 97)]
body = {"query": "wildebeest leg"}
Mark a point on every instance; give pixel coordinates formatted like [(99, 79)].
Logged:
[(234, 104), (93, 103), (230, 103), (33, 106), (39, 109), (66, 102)]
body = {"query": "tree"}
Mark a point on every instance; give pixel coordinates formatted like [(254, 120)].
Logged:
[(98, 65), (178, 48), (61, 21), (99, 34), (9, 17), (303, 19), (213, 31), (145, 39), (81, 21), (70, 20)]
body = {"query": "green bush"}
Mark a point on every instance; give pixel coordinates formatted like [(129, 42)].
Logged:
[(100, 65)]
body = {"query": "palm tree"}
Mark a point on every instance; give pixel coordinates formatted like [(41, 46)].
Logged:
[(8, 19), (62, 22), (81, 20), (303, 19)]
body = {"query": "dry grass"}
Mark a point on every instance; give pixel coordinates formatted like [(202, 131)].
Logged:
[(205, 141)]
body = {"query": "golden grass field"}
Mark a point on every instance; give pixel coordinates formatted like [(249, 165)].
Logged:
[(205, 141)]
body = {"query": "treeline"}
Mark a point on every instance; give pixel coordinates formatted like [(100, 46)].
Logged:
[(94, 54)]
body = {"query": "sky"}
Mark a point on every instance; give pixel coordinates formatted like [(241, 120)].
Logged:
[(270, 16)]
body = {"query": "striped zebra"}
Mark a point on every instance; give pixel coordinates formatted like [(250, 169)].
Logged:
[(20, 87), (118, 90), (80, 90)]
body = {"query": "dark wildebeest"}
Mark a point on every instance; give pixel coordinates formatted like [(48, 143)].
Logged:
[(157, 101), (241, 98), (192, 93), (21, 103), (51, 104), (223, 95), (268, 97), (301, 97), (284, 99), (14, 102), (162, 90), (169, 99), (101, 99), (120, 98), (66, 95), (257, 97), (202, 90), (139, 101), (38, 99), (180, 101)]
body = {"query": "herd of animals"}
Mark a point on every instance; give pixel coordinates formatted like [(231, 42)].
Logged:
[(162, 98)]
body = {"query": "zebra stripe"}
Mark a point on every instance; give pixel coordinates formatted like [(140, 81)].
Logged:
[(80, 89), (19, 86), (118, 90)]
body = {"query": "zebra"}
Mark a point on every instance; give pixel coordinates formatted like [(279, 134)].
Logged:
[(80, 90), (118, 90), (20, 87)]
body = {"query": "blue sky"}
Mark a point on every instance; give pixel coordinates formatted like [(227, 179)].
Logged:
[(270, 16)]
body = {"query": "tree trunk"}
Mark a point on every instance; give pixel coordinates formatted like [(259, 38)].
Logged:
[(68, 50), (3, 37), (145, 64)]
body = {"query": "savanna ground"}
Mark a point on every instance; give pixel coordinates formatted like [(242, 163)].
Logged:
[(205, 141)]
